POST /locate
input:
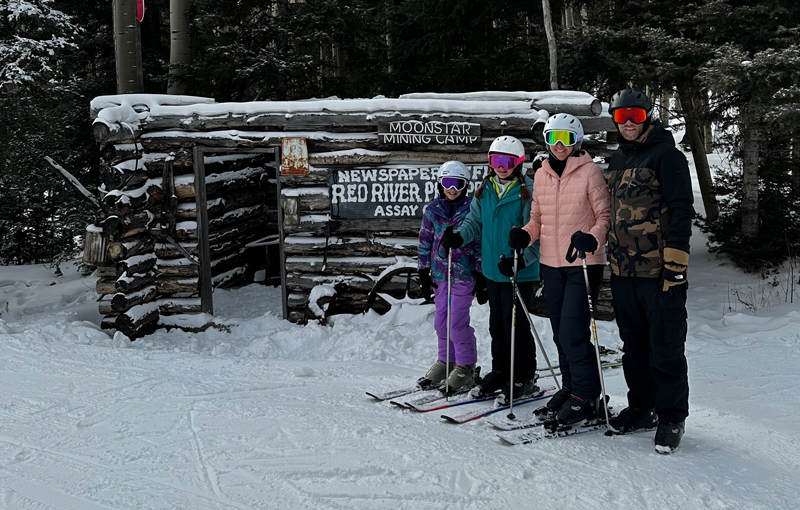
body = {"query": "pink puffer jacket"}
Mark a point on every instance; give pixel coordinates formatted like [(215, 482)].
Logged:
[(579, 200)]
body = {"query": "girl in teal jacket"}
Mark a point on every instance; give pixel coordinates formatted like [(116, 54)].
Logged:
[(502, 202)]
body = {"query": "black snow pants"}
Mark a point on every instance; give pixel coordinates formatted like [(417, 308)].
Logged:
[(501, 299), (567, 306), (652, 326)]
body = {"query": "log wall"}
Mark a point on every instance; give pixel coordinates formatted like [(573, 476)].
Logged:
[(150, 191), (152, 233)]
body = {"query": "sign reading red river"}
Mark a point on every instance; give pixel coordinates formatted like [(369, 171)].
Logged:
[(387, 191), (399, 190)]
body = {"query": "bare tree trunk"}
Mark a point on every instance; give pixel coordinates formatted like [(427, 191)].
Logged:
[(389, 41), (708, 135), (699, 154), (180, 48), (708, 138), (665, 114), (796, 167), (338, 59), (750, 149), (551, 44), (282, 87), (127, 49)]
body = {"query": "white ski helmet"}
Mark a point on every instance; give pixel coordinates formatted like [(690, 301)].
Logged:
[(454, 169), (565, 122), (507, 145)]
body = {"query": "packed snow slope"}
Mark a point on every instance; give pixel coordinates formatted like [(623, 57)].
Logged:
[(272, 415)]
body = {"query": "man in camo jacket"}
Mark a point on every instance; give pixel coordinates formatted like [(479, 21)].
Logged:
[(651, 224)]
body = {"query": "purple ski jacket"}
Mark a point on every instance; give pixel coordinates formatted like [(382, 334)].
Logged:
[(465, 260)]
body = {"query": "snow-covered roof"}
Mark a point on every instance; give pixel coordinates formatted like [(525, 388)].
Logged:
[(130, 110)]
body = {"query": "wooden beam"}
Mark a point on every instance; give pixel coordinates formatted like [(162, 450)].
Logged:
[(204, 280)]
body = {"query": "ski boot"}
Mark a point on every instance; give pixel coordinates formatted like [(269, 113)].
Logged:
[(577, 410), (435, 376), (523, 388), (461, 379), (633, 419), (668, 437), (548, 411), (490, 384)]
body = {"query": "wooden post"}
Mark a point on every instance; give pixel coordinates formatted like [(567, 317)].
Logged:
[(206, 303), (282, 245), (169, 201)]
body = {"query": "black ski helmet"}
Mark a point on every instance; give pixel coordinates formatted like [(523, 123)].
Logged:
[(632, 98)]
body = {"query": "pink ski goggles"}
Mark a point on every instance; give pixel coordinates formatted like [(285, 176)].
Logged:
[(508, 162)]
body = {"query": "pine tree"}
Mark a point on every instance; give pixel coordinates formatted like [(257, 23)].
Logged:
[(742, 54), (43, 108)]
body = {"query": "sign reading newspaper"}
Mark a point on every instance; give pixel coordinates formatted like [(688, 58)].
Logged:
[(388, 191), (416, 132)]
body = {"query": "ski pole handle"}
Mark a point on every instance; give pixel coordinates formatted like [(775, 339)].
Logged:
[(573, 254)]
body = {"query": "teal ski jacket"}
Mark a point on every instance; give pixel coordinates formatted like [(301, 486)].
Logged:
[(491, 218)]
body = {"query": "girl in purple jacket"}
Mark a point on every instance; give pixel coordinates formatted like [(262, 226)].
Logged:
[(466, 280)]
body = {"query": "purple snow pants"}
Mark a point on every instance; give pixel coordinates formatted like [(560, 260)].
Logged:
[(462, 336)]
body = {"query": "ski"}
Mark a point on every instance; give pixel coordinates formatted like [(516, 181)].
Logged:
[(419, 398), (541, 416), (388, 395), (503, 423), (480, 413), (515, 437), (426, 405), (424, 391)]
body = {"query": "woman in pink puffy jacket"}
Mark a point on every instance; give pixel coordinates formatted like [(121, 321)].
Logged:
[(571, 205)]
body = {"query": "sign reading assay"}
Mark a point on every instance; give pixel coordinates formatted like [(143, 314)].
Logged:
[(415, 132), (388, 191)]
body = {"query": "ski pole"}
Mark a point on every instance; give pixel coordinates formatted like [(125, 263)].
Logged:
[(447, 356), (513, 339), (571, 254), (538, 340)]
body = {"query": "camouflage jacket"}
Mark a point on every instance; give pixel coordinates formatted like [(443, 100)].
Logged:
[(651, 204)]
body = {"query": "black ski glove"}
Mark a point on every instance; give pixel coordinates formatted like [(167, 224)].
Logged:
[(480, 291), (518, 239), (676, 262), (451, 240), (584, 242), (425, 283), (506, 265)]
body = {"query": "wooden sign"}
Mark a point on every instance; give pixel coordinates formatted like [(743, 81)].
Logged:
[(416, 132), (388, 191)]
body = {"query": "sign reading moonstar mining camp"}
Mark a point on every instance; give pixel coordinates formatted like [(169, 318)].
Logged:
[(391, 191), (415, 132)]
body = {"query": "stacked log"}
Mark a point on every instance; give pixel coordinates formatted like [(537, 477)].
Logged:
[(152, 228), (240, 188)]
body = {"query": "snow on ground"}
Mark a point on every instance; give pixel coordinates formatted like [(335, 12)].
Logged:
[(274, 416)]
